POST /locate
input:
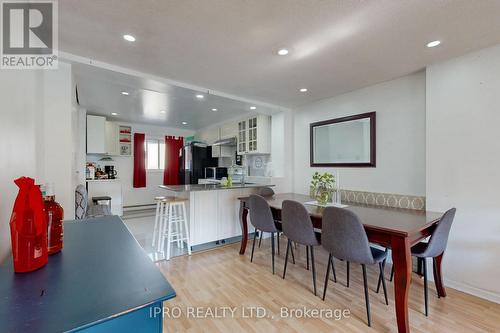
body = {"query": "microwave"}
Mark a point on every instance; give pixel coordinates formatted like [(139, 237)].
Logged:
[(215, 173)]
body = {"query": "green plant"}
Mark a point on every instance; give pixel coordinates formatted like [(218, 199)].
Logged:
[(322, 187)]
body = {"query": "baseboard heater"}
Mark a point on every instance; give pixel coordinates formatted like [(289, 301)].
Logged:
[(138, 207)]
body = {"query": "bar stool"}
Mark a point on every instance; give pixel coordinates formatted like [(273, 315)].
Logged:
[(160, 213), (174, 226)]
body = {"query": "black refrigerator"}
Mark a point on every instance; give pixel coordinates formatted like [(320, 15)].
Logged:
[(194, 158)]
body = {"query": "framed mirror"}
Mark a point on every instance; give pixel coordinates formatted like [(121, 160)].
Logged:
[(344, 142)]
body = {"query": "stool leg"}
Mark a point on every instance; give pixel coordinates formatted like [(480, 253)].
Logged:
[(155, 229), (169, 230), (162, 227), (186, 229)]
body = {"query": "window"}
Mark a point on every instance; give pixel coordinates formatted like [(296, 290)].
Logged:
[(155, 154)]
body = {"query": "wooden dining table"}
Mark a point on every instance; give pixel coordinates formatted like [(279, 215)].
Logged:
[(394, 228)]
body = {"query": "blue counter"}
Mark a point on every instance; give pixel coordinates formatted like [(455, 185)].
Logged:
[(102, 281)]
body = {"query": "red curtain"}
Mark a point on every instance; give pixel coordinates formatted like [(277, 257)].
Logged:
[(171, 173), (139, 160)]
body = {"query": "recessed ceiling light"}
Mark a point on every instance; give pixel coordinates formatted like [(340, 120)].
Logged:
[(114, 113), (303, 89), (184, 123), (214, 109), (129, 38), (433, 43), (282, 52), (253, 108), (199, 96), (125, 93), (163, 111)]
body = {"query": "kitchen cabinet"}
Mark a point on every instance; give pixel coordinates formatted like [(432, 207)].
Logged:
[(96, 135), (103, 137), (254, 135)]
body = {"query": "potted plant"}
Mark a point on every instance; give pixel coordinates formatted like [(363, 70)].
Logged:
[(322, 187)]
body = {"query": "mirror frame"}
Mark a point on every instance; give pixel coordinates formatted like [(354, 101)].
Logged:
[(373, 154)]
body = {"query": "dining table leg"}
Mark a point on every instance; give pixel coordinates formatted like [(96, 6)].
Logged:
[(438, 276), (401, 258), (244, 227)]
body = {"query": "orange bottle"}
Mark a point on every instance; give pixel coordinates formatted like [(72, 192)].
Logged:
[(54, 215)]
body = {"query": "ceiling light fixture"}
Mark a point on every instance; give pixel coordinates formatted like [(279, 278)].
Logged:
[(253, 108), (125, 93), (303, 89), (433, 43), (129, 38), (214, 109), (163, 111), (199, 96), (282, 52), (184, 123), (114, 113)]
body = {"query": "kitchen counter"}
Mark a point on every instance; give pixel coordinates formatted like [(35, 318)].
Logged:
[(210, 187), (102, 281)]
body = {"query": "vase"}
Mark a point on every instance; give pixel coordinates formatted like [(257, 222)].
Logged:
[(323, 195)]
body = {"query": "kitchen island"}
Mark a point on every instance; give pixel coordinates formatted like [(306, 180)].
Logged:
[(213, 210), (102, 281)]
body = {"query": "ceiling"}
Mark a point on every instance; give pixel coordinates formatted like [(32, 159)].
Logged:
[(153, 102), (230, 45)]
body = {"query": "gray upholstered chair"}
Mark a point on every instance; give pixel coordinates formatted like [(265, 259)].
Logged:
[(262, 219), (434, 248), (298, 228), (268, 192), (83, 209), (344, 237)]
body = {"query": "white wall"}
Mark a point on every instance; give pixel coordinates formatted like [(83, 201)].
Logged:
[(125, 167), (400, 107), (463, 158), (35, 127)]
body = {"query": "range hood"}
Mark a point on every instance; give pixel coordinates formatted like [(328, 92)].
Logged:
[(225, 142)]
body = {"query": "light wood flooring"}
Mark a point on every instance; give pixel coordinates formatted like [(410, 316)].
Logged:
[(212, 280)]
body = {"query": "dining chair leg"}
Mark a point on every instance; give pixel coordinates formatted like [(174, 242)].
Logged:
[(313, 269), (380, 278), (272, 248), (392, 273), (327, 274), (278, 241), (347, 262), (367, 297), (333, 269), (307, 256), (384, 287), (260, 238), (293, 256), (426, 290), (286, 257), (253, 244)]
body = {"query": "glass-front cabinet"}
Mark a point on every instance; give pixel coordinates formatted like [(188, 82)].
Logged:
[(254, 135)]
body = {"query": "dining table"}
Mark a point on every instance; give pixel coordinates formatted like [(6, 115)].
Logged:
[(395, 228)]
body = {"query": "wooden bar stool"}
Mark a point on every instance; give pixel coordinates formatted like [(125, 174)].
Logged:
[(174, 226)]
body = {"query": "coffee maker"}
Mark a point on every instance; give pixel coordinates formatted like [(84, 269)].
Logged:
[(110, 171)]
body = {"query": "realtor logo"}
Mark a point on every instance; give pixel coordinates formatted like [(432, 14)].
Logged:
[(29, 34)]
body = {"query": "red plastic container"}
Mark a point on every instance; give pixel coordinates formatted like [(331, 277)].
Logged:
[(28, 228), (54, 215)]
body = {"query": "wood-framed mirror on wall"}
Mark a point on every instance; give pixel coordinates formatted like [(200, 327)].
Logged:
[(344, 142)]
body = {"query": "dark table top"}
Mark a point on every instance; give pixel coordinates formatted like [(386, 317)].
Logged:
[(392, 220), (101, 272)]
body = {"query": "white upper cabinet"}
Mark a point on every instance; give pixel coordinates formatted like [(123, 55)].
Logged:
[(254, 135), (103, 137), (96, 135)]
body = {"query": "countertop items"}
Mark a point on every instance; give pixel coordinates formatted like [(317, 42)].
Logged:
[(210, 187), (102, 279)]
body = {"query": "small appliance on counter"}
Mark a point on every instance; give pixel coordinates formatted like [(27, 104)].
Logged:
[(110, 171)]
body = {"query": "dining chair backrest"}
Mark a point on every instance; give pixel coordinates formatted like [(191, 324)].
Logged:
[(81, 202), (343, 235), (266, 192), (297, 224), (260, 214), (439, 237)]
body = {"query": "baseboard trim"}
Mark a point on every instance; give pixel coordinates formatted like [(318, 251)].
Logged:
[(460, 286)]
